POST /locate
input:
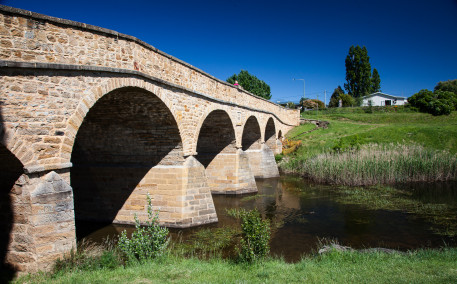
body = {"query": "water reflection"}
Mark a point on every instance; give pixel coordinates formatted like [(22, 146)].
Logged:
[(302, 213)]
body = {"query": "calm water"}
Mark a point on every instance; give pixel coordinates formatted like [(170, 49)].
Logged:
[(303, 213)]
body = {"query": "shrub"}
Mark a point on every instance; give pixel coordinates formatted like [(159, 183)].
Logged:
[(421, 100), (439, 107), (289, 146), (438, 103), (313, 104), (349, 143), (146, 242), (254, 244)]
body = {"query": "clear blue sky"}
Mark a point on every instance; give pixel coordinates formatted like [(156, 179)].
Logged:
[(413, 44)]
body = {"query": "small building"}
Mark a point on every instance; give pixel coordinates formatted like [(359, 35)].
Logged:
[(381, 99)]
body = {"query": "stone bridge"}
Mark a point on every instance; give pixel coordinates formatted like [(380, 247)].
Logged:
[(92, 121)]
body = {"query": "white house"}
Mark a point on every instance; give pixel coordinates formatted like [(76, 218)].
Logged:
[(380, 99)]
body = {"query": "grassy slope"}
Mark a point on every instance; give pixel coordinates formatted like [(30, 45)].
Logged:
[(336, 267), (432, 132)]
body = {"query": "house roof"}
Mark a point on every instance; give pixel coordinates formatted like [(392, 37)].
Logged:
[(383, 95)]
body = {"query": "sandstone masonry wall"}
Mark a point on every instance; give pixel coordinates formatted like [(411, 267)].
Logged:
[(32, 37)]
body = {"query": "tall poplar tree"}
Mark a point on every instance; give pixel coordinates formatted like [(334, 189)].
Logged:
[(375, 82), (358, 72)]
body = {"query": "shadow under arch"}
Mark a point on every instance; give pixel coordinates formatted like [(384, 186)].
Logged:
[(10, 171), (270, 134), (216, 136), (125, 134), (251, 135)]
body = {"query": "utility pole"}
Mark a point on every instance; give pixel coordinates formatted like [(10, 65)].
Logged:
[(325, 98)]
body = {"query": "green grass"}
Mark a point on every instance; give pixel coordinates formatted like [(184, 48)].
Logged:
[(424, 266), (300, 129), (431, 132)]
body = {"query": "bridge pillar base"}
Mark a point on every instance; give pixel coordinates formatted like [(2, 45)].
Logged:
[(263, 163), (43, 227), (278, 149), (268, 164), (230, 173), (179, 193)]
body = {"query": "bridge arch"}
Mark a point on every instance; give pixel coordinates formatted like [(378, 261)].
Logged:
[(215, 136), (11, 170), (126, 143), (252, 136), (270, 134), (92, 96), (226, 167)]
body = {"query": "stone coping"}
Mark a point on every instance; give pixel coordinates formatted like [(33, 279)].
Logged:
[(92, 28), (88, 68), (50, 167)]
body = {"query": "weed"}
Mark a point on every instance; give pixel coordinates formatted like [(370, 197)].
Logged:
[(146, 242)]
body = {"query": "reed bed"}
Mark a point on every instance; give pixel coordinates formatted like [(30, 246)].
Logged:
[(382, 164)]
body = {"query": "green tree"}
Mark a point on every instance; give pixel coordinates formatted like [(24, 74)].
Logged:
[(358, 72), (313, 104), (335, 98), (347, 100), (375, 82), (251, 84), (450, 86), (338, 94), (290, 105)]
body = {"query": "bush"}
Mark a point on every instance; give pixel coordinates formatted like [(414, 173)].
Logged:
[(255, 236), (313, 104), (349, 143), (440, 107), (438, 103), (146, 242), (289, 146)]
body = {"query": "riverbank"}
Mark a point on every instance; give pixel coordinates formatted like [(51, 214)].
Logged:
[(423, 266), (352, 131)]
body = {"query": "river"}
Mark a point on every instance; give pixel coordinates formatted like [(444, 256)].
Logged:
[(304, 215)]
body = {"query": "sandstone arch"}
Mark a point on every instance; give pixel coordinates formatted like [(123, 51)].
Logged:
[(227, 168), (127, 146), (251, 139), (10, 171), (270, 134)]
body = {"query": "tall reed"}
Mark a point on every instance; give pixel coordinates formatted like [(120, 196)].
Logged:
[(382, 164)]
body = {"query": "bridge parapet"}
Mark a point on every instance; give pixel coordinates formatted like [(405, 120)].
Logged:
[(31, 37)]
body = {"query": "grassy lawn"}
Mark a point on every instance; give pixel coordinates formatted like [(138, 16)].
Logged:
[(438, 132), (431, 132), (424, 266)]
